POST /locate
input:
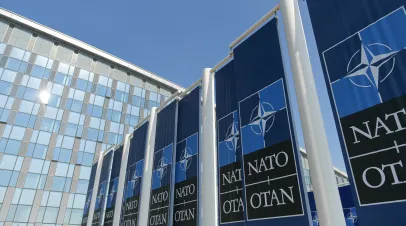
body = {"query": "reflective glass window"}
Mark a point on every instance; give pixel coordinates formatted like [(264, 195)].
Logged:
[(37, 71), (32, 180), (81, 187), (27, 197), (5, 87), (84, 172), (8, 76), (79, 202), (5, 177), (61, 169), (44, 138), (58, 184), (36, 166), (51, 214), (8, 162), (13, 64)]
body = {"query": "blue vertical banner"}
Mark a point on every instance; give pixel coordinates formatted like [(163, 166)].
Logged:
[(89, 194), (135, 168), (102, 189), (161, 187), (350, 212), (362, 47), (113, 186), (260, 179), (185, 207)]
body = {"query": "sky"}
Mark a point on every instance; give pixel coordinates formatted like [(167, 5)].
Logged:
[(174, 39)]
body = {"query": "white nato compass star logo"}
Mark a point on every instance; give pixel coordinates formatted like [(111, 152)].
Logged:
[(369, 66), (113, 190), (135, 178), (352, 217), (162, 166), (186, 159), (316, 220), (232, 137), (98, 201), (262, 118)]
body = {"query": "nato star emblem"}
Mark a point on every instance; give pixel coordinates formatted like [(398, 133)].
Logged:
[(162, 166), (352, 217), (232, 137), (135, 178), (370, 64), (260, 116), (186, 159), (315, 218)]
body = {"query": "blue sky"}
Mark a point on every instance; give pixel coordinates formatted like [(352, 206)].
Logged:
[(174, 39)]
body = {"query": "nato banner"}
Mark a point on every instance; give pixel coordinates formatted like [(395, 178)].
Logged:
[(260, 180), (350, 212), (102, 190), (185, 208), (135, 169), (89, 194), (111, 198), (362, 47), (161, 189)]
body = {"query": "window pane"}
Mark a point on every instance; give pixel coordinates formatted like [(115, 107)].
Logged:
[(8, 161), (11, 212), (31, 181), (79, 202), (8, 76), (13, 147), (13, 64), (50, 215), (5, 87), (36, 165), (68, 142), (85, 173), (87, 159), (54, 199), (76, 216), (27, 197), (37, 71), (22, 213), (58, 184), (44, 138), (14, 178), (81, 187), (5, 176), (22, 119), (17, 133), (61, 169)]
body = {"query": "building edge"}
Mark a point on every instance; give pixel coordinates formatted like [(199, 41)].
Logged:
[(59, 36)]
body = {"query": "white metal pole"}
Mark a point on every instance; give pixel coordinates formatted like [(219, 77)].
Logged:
[(208, 150), (147, 174), (94, 192), (326, 194), (172, 199), (121, 181), (103, 208)]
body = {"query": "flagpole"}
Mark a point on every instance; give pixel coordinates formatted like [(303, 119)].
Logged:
[(148, 167), (94, 192), (325, 188), (121, 181), (208, 150), (106, 196)]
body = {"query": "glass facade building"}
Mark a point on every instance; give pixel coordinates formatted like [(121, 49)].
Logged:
[(341, 177), (61, 103)]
